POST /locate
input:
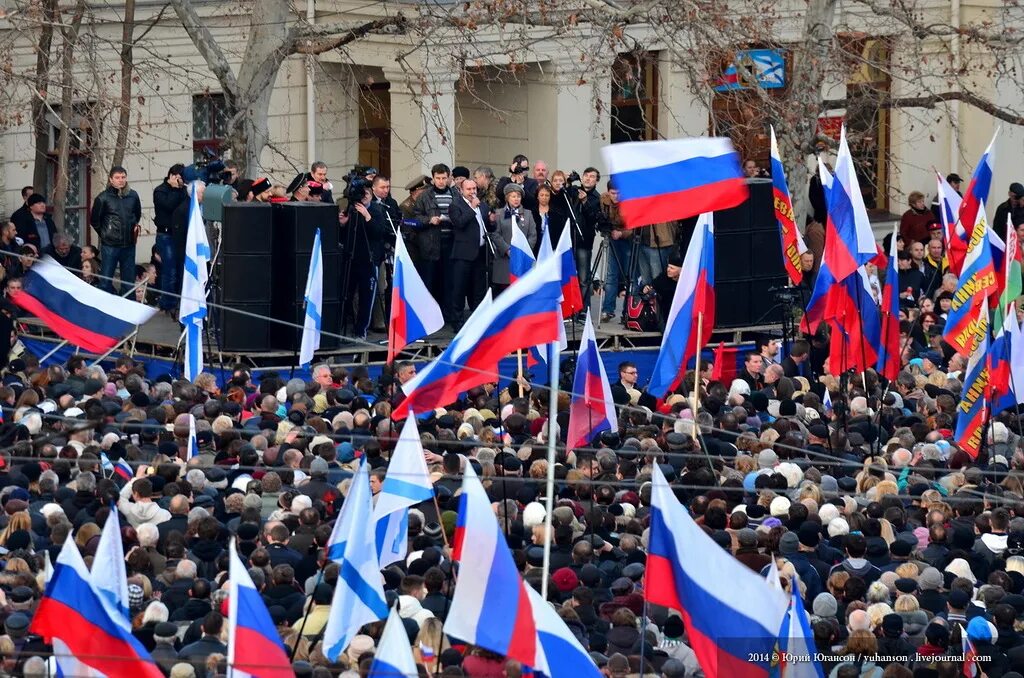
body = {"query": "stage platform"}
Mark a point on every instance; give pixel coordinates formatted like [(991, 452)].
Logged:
[(159, 339)]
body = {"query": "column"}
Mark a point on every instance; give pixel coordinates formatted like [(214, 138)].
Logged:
[(569, 114), (422, 122)]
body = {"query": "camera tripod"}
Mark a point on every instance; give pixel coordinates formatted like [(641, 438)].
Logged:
[(597, 283)]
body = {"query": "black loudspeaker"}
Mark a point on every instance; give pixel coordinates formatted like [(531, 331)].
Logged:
[(246, 277), (748, 260), (295, 226)]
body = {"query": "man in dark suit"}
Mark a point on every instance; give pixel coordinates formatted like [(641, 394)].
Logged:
[(470, 222), (795, 364), (36, 227)]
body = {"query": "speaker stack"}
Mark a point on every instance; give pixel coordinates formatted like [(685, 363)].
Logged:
[(295, 225), (748, 259), (264, 261)]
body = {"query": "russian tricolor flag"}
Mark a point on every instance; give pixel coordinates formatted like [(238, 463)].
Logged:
[(490, 606), (72, 612), (694, 297), (889, 361), (816, 306), (414, 313), (572, 298), (254, 645), (792, 242), (952, 231), (976, 195), (592, 409), (661, 181), (856, 326), (494, 608), (1007, 329), (523, 316), (520, 255), (849, 241), (83, 315), (123, 469), (732, 614)]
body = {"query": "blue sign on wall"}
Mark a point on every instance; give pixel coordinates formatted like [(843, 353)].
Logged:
[(768, 66)]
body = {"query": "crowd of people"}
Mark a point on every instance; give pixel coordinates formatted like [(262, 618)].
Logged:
[(904, 549)]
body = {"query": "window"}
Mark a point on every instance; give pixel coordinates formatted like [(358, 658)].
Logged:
[(375, 127), (77, 197), (209, 125), (635, 97)]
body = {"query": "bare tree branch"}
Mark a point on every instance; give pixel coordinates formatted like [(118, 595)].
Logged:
[(207, 46), (323, 38), (932, 100), (124, 104)]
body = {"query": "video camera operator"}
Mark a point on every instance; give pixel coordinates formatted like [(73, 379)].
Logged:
[(363, 230), (517, 175)]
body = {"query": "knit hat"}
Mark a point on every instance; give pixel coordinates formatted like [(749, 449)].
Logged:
[(930, 580), (825, 605), (979, 629), (746, 538), (565, 579), (779, 507), (135, 597), (789, 543)]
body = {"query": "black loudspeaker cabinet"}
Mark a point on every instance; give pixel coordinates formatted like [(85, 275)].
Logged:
[(245, 275), (295, 226), (748, 260)]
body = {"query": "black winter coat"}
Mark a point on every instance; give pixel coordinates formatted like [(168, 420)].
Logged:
[(166, 200), (115, 215)]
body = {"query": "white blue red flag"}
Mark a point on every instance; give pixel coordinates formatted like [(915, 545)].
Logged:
[(192, 311), (525, 315), (414, 313), (789, 235), (849, 241), (84, 315), (193, 439), (539, 355), (572, 298), (660, 181), (972, 206), (592, 408), (520, 254), (72, 611), (889, 361), (732, 615), (108, 573), (407, 483), (694, 297), (856, 327), (952, 230), (254, 645), (796, 641), (494, 608), (814, 314), (312, 320), (974, 404)]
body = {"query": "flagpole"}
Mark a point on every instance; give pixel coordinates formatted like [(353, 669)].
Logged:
[(696, 373), (549, 498)]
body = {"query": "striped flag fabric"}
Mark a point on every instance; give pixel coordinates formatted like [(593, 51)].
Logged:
[(592, 408), (520, 254), (393, 657), (732, 615), (193, 441), (108, 574), (849, 241), (792, 242), (660, 181), (312, 320), (889, 360), (952, 231), (415, 314), (192, 311), (694, 295), (977, 284), (1004, 322), (406, 484), (359, 593), (254, 645), (796, 639), (84, 315), (71, 611), (974, 406), (572, 297)]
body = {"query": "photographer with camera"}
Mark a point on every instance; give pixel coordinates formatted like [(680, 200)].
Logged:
[(167, 197), (434, 238), (363, 233), (470, 219), (517, 175)]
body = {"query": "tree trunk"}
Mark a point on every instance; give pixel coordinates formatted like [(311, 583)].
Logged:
[(40, 127), (799, 128), (67, 102), (124, 114)]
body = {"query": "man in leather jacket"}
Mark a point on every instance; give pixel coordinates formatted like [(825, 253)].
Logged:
[(115, 216), (167, 197)]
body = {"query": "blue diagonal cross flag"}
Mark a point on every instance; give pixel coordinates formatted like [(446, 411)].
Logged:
[(359, 594), (192, 311), (314, 300), (406, 484)]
